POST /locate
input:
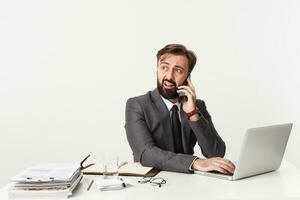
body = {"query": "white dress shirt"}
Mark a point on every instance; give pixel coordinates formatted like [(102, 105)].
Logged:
[(169, 105)]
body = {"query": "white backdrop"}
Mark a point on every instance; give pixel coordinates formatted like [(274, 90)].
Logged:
[(68, 67)]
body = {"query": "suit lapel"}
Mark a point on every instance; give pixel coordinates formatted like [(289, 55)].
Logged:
[(164, 115)]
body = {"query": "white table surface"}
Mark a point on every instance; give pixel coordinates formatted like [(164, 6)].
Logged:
[(281, 184)]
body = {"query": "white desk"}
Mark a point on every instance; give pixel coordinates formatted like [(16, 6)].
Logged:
[(281, 184)]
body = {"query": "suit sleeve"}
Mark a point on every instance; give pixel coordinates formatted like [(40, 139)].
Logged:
[(144, 149), (209, 141)]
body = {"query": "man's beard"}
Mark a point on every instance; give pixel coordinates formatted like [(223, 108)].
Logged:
[(167, 93)]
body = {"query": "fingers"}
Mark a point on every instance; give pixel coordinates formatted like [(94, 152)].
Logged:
[(191, 84), (226, 168), (226, 164), (186, 90), (217, 164), (187, 93), (220, 169)]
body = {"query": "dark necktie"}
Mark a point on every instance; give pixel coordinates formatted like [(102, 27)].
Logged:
[(176, 130)]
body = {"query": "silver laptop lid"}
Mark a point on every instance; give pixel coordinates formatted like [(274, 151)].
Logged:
[(262, 150)]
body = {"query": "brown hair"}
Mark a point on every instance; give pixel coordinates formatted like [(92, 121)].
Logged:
[(179, 49)]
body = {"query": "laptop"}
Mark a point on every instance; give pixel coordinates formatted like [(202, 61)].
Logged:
[(262, 151)]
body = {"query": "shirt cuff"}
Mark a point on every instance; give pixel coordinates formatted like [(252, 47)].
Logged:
[(190, 168)]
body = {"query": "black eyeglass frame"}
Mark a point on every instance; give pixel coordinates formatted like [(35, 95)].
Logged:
[(154, 181)]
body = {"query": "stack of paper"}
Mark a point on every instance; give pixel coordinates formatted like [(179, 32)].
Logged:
[(48, 180)]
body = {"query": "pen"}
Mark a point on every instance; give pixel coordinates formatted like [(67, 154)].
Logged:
[(90, 185)]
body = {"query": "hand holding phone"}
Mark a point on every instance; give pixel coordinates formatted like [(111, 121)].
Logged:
[(181, 95), (188, 98)]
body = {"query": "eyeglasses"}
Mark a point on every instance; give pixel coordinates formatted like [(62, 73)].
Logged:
[(158, 181)]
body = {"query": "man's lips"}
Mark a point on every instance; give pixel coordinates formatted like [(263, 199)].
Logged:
[(168, 85)]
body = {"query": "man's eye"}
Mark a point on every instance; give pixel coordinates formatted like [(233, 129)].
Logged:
[(179, 71), (164, 67)]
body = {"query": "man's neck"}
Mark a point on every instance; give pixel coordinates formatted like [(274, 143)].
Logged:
[(173, 100)]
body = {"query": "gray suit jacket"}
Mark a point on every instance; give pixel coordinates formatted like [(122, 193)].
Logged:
[(149, 133)]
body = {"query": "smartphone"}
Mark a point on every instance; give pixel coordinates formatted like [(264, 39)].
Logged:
[(181, 96)]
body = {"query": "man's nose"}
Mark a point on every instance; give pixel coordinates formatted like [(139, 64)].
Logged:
[(170, 74)]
